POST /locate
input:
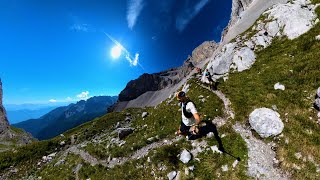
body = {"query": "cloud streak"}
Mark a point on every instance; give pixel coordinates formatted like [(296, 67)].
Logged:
[(83, 95), (188, 14), (134, 9), (133, 61)]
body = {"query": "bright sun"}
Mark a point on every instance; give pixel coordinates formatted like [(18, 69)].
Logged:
[(116, 52)]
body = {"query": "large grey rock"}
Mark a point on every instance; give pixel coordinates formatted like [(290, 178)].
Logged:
[(266, 122), (124, 132), (185, 156), (244, 58), (294, 18)]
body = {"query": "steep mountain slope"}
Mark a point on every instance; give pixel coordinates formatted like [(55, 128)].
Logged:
[(151, 89), (63, 118), (134, 145), (9, 136)]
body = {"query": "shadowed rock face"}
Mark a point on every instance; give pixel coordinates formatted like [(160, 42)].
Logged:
[(146, 82), (164, 79), (4, 124)]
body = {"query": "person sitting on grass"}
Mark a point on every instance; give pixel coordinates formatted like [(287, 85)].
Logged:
[(190, 118)]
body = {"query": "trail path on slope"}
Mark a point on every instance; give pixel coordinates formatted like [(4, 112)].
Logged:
[(260, 162), (121, 160)]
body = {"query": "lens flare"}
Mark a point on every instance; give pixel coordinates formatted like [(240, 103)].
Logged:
[(116, 52)]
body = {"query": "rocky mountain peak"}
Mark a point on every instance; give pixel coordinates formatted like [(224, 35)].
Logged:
[(4, 124), (204, 51), (158, 81), (238, 6)]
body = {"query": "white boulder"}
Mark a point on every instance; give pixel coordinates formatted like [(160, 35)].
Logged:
[(144, 114), (172, 175), (318, 92), (266, 122), (185, 156), (318, 37), (279, 86)]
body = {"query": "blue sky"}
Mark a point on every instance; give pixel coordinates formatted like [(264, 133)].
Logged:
[(58, 50)]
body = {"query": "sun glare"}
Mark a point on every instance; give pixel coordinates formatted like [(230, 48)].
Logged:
[(116, 52)]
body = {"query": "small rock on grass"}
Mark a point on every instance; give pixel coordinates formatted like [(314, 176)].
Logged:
[(172, 175), (225, 168), (215, 149), (185, 156), (235, 163)]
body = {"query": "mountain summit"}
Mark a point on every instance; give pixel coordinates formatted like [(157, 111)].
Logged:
[(66, 117)]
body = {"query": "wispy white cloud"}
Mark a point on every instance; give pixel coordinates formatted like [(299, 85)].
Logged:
[(52, 100), (188, 14), (133, 62), (69, 99), (82, 27), (83, 95), (134, 9)]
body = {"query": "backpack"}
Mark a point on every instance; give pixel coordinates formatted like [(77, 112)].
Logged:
[(185, 112)]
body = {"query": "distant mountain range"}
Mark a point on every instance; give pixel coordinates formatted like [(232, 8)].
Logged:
[(16, 116), (64, 118)]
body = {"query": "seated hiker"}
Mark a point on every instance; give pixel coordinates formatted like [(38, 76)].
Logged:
[(190, 117)]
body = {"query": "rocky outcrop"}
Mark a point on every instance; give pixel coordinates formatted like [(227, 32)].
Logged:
[(150, 84), (10, 137), (239, 55), (238, 6), (4, 123), (204, 51), (124, 132), (246, 18), (146, 82)]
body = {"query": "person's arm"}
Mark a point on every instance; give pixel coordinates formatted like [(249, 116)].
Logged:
[(195, 128), (197, 118)]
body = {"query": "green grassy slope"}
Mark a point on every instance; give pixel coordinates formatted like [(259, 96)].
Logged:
[(295, 64), (162, 122)]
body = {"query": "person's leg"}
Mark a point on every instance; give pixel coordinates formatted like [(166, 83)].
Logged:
[(184, 129)]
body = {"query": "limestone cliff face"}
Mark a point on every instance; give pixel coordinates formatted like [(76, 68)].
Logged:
[(238, 6), (204, 51), (4, 124)]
